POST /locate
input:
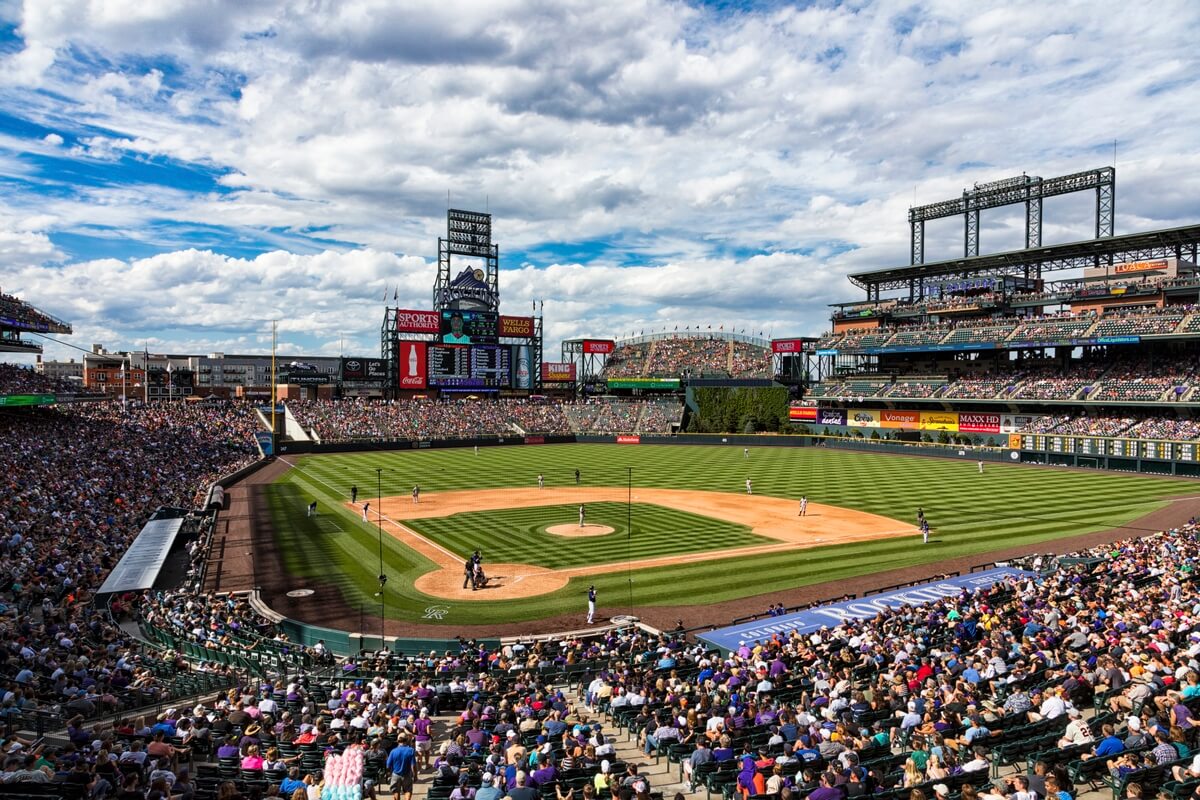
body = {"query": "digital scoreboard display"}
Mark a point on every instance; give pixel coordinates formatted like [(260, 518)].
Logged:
[(460, 367), (492, 366), (469, 327)]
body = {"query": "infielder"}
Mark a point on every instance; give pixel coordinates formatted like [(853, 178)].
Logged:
[(803, 505), (749, 489), (541, 481), (416, 494), (581, 515), (366, 508)]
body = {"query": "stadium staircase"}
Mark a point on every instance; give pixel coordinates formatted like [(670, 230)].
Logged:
[(729, 357), (649, 362)]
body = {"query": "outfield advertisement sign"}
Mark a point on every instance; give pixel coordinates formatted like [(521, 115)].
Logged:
[(831, 416), (516, 327), (643, 383), (863, 418), (10, 400), (600, 347), (409, 321), (833, 614), (802, 413), (1017, 423), (558, 371), (939, 421), (629, 440), (414, 370), (787, 345), (899, 419), (969, 422)]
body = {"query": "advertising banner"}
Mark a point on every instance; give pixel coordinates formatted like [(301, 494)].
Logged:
[(558, 371), (1017, 423), (516, 327), (363, 369), (899, 419), (787, 345), (1014, 441), (970, 422), (802, 413), (598, 346), (409, 321), (939, 421), (412, 368), (862, 418), (1140, 266), (643, 383), (10, 400), (831, 416), (832, 614), (629, 440), (522, 356), (535, 440)]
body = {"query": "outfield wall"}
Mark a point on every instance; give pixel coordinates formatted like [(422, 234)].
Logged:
[(1121, 455)]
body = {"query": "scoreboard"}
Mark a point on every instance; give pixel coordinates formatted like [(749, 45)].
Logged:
[(469, 367)]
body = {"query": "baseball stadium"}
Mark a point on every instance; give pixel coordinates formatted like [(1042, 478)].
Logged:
[(945, 549)]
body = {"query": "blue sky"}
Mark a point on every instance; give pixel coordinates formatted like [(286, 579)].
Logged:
[(177, 174)]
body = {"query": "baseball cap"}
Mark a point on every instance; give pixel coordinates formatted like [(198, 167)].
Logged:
[(941, 788)]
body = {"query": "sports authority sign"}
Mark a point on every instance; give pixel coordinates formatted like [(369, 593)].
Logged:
[(629, 440), (408, 321), (516, 327), (598, 346), (787, 345)]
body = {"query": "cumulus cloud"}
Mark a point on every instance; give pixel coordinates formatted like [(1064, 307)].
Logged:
[(653, 162)]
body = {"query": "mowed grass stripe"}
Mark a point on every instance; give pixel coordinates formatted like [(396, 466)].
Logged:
[(1008, 505)]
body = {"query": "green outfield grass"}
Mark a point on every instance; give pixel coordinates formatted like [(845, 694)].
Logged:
[(970, 513), (518, 535)]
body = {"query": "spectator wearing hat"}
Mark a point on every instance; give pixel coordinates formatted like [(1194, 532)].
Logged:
[(487, 788)]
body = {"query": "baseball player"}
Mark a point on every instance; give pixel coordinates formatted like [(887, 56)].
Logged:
[(749, 489), (591, 603), (416, 494), (581, 515), (803, 505), (312, 508), (981, 466), (541, 481), (366, 508)]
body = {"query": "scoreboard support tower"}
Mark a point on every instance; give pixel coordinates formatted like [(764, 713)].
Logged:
[(475, 289)]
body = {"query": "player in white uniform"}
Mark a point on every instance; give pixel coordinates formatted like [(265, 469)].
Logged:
[(541, 481), (749, 489), (803, 505)]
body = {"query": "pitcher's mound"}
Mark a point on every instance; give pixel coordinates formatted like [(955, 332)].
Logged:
[(505, 582), (574, 530)]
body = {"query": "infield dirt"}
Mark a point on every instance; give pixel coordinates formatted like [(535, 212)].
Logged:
[(770, 517)]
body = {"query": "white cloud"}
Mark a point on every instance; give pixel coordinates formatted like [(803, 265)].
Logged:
[(745, 162)]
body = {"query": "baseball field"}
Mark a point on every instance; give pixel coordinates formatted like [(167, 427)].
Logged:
[(665, 525)]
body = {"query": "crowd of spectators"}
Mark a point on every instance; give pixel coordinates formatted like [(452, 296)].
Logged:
[(79, 483), (627, 361), (28, 317), (356, 420), (17, 379)]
